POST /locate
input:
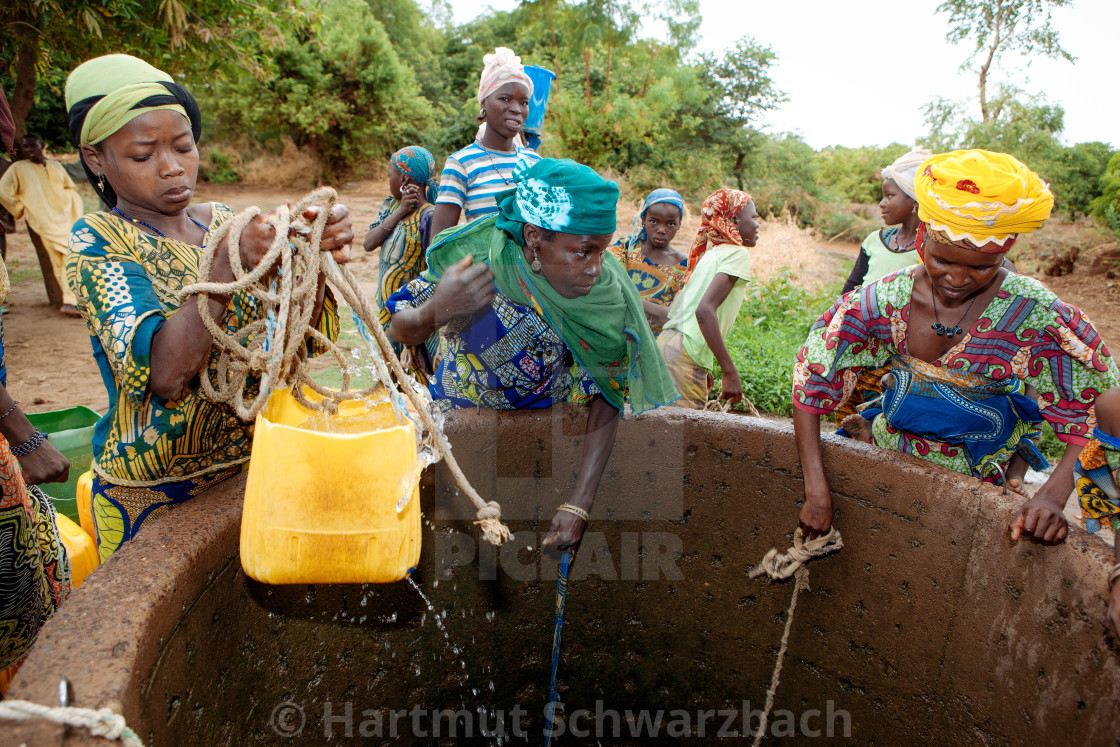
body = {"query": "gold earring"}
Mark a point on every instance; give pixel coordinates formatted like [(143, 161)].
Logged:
[(101, 182)]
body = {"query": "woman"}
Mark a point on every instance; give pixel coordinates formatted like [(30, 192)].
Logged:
[(474, 176), (893, 247), (704, 313), (537, 313), (964, 337), (657, 269), (403, 225), (161, 442)]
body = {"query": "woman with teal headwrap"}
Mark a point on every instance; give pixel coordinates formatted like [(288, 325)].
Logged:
[(657, 269), (403, 224), (538, 312)]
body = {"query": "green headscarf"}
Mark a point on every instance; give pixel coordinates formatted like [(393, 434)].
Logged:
[(606, 330), (119, 82)]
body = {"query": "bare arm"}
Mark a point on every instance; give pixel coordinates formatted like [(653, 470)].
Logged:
[(44, 464), (708, 321), (566, 530), (464, 289), (444, 216), (816, 514)]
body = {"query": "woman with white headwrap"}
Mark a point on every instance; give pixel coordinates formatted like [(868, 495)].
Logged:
[(474, 175), (892, 247)]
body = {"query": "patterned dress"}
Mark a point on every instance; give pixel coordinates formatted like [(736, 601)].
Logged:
[(656, 283), (1027, 335), (402, 254), (151, 452), (505, 357), (1098, 482)]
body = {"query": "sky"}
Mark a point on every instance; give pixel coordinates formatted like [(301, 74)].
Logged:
[(860, 73)]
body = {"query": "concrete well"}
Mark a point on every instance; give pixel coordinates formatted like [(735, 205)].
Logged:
[(929, 626)]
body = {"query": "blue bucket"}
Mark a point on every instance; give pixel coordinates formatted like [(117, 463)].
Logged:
[(542, 84)]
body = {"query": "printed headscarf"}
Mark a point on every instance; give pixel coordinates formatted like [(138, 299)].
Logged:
[(106, 93), (980, 200), (904, 169), (418, 164), (500, 68), (656, 196), (559, 195), (717, 222)]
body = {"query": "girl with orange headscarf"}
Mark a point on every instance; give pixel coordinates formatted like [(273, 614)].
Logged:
[(706, 308)]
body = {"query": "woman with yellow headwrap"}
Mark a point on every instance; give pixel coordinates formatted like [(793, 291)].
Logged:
[(161, 442), (964, 337)]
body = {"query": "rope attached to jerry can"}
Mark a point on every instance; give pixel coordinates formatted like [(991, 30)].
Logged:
[(273, 348)]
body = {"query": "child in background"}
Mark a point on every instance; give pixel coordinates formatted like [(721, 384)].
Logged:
[(705, 310), (893, 247), (1097, 473), (403, 224), (657, 269), (474, 175)]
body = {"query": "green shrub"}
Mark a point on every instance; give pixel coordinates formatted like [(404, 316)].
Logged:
[(772, 326), (221, 169)]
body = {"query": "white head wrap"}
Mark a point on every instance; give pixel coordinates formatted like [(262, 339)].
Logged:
[(905, 169), (500, 68)]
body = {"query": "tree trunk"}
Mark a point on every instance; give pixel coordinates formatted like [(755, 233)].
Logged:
[(24, 94), (649, 70), (609, 39), (587, 75), (555, 46), (739, 170)]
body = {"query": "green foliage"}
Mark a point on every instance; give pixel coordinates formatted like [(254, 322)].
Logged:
[(336, 85), (771, 328), (1106, 207), (854, 172), (222, 169)]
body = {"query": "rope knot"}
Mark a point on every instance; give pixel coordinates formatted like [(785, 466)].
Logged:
[(779, 566)]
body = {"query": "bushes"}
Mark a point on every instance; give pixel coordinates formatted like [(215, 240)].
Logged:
[(772, 326)]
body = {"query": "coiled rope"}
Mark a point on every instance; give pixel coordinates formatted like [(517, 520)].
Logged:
[(101, 723), (779, 567), (274, 347)]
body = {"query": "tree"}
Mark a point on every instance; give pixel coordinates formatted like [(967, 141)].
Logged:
[(1106, 207), (174, 35), (999, 26)]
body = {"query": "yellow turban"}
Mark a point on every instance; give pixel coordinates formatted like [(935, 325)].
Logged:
[(981, 199)]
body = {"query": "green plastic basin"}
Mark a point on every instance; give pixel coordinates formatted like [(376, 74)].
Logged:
[(71, 432)]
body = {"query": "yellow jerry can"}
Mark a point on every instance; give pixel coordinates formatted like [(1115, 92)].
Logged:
[(322, 494), (85, 503), (80, 547)]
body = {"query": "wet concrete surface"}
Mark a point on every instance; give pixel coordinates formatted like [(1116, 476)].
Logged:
[(929, 626)]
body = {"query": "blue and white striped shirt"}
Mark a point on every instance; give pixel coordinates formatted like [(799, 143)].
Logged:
[(472, 176)]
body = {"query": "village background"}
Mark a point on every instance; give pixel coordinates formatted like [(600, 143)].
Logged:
[(296, 93)]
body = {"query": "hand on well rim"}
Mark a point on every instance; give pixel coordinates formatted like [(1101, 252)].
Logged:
[(1040, 518)]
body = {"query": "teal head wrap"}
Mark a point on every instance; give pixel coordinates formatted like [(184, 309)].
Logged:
[(559, 195)]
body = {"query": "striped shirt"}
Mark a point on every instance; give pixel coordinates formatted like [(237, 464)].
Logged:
[(474, 175)]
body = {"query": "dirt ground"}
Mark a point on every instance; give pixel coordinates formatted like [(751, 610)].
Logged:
[(50, 363)]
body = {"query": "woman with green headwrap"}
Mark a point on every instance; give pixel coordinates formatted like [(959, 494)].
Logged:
[(161, 442), (538, 312)]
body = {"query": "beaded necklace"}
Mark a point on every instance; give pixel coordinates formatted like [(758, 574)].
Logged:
[(493, 164), (153, 229)]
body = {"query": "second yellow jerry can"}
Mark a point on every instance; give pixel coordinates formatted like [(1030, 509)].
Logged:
[(322, 494)]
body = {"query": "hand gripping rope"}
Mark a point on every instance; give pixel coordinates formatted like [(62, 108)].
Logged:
[(782, 566), (273, 348)]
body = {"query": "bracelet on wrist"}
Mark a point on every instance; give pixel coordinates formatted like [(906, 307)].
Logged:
[(576, 510), (10, 410), (28, 446)]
